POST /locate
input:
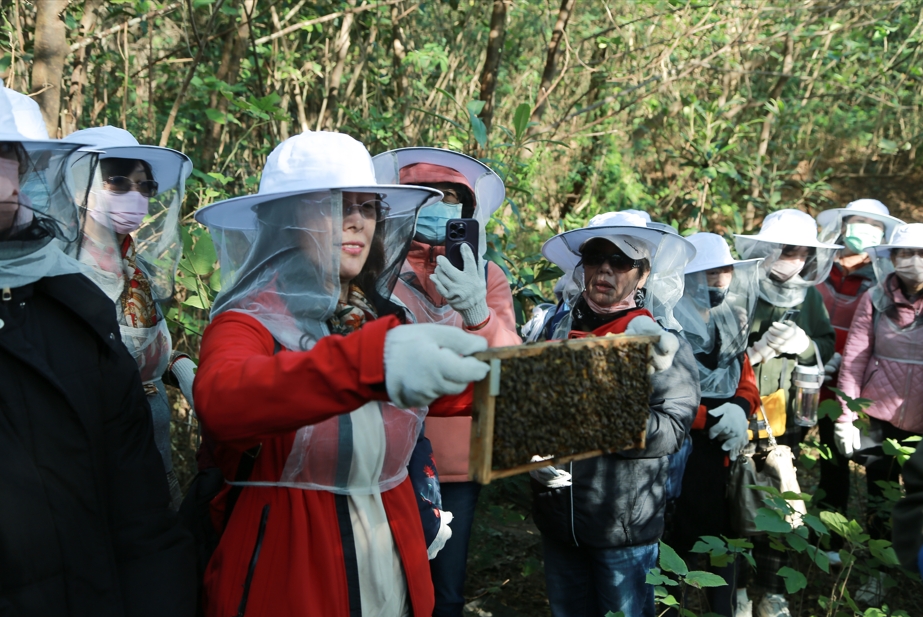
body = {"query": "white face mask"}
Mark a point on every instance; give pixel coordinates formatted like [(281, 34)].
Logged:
[(121, 212), (909, 269), (861, 236), (784, 269)]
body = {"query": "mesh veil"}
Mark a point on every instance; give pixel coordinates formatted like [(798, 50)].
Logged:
[(793, 291)]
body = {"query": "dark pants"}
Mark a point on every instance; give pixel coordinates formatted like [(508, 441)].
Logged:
[(448, 568), (834, 477), (589, 582), (879, 467)]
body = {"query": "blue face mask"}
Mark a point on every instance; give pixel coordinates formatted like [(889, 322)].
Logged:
[(432, 219)]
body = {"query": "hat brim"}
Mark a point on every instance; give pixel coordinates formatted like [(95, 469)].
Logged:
[(563, 250), (239, 213), (827, 218), (721, 264), (884, 250), (788, 241), (485, 180), (169, 166)]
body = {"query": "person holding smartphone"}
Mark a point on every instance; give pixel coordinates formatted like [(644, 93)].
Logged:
[(477, 299), (794, 262)]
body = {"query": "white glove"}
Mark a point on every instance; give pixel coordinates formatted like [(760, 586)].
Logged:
[(787, 338), (730, 429), (464, 290), (424, 362), (661, 353), (532, 329), (761, 351), (846, 437), (442, 536), (184, 370), (832, 367), (552, 477)]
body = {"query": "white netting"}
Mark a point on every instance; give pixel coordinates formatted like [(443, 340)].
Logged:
[(791, 292)]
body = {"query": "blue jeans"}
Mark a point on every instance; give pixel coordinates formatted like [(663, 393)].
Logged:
[(589, 582), (448, 568)]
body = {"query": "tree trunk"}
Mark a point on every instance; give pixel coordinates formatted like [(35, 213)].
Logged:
[(48, 62), (340, 49), (399, 52), (492, 61), (76, 95), (551, 60)]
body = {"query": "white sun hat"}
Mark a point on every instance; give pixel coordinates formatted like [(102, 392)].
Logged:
[(831, 220), (311, 162), (906, 236), (27, 115), (790, 227), (711, 251)]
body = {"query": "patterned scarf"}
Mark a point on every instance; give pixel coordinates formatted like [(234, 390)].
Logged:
[(138, 307), (351, 315)]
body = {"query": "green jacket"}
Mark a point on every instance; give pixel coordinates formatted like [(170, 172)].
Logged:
[(814, 320)]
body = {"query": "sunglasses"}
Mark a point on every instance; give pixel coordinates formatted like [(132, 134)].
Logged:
[(121, 185), (371, 210), (619, 262)]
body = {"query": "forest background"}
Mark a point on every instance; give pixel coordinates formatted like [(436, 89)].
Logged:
[(708, 115)]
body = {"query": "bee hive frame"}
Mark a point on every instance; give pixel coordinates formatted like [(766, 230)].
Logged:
[(480, 463)]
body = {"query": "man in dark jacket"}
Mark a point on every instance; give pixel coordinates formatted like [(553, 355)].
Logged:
[(85, 526)]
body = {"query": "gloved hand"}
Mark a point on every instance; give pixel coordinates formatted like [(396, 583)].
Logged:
[(832, 367), (846, 437), (442, 536), (787, 338), (532, 329), (730, 429), (661, 353), (183, 370), (761, 351), (550, 476), (424, 362), (464, 290)]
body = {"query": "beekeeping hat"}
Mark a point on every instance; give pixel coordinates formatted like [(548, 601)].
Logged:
[(788, 227), (27, 116), (904, 236), (711, 251), (831, 221)]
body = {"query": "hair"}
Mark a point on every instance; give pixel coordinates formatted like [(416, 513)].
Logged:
[(123, 167)]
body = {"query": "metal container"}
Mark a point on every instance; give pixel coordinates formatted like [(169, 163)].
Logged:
[(807, 381)]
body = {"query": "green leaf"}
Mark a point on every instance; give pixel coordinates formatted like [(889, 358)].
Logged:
[(655, 577), (216, 116), (521, 119), (479, 130), (820, 558), (795, 581), (882, 551), (670, 561), (699, 579), (771, 521), (830, 408), (475, 107), (197, 302), (797, 542)]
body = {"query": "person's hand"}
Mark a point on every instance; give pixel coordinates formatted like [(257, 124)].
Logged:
[(183, 370), (549, 476), (761, 351), (832, 367), (662, 352), (846, 437), (464, 290), (426, 361), (731, 429), (442, 536), (787, 338)]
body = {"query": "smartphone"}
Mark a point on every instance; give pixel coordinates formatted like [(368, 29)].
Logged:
[(457, 233), (790, 315)]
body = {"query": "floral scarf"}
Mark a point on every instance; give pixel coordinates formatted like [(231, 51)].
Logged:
[(351, 315), (138, 307)]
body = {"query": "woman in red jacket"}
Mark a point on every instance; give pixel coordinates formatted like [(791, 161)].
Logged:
[(297, 367)]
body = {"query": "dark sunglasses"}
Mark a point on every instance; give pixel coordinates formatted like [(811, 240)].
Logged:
[(619, 262), (121, 184)]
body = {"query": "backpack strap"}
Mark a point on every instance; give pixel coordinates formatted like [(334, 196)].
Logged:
[(246, 464)]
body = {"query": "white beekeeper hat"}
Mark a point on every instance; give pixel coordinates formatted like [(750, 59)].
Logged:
[(791, 227), (711, 251), (870, 208), (27, 115), (311, 162), (906, 236)]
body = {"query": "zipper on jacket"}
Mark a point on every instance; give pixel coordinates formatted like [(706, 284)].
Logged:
[(242, 608), (7, 294)]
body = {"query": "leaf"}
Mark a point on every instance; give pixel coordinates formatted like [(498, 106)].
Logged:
[(699, 579), (771, 521), (475, 107), (479, 130), (197, 302), (829, 409), (882, 551), (820, 558), (795, 581), (670, 561), (216, 116), (654, 577), (521, 119)]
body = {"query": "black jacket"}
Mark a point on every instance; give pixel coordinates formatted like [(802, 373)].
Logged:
[(618, 500), (85, 526)]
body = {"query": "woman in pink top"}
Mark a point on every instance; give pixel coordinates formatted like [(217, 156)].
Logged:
[(883, 362)]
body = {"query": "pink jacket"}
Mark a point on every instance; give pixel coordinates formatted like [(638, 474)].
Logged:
[(883, 360), (451, 436)]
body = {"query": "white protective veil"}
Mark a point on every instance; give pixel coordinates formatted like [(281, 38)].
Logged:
[(832, 221), (716, 321), (40, 197), (908, 236), (426, 165), (279, 253), (788, 228), (158, 245), (667, 252)]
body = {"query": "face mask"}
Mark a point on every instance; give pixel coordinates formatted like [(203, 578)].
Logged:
[(910, 269), (861, 236), (432, 219), (716, 295), (784, 269), (121, 212)]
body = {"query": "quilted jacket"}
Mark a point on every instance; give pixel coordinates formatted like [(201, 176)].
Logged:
[(883, 359)]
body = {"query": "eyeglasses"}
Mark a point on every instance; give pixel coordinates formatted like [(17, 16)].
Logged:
[(619, 262), (122, 184), (371, 210)]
